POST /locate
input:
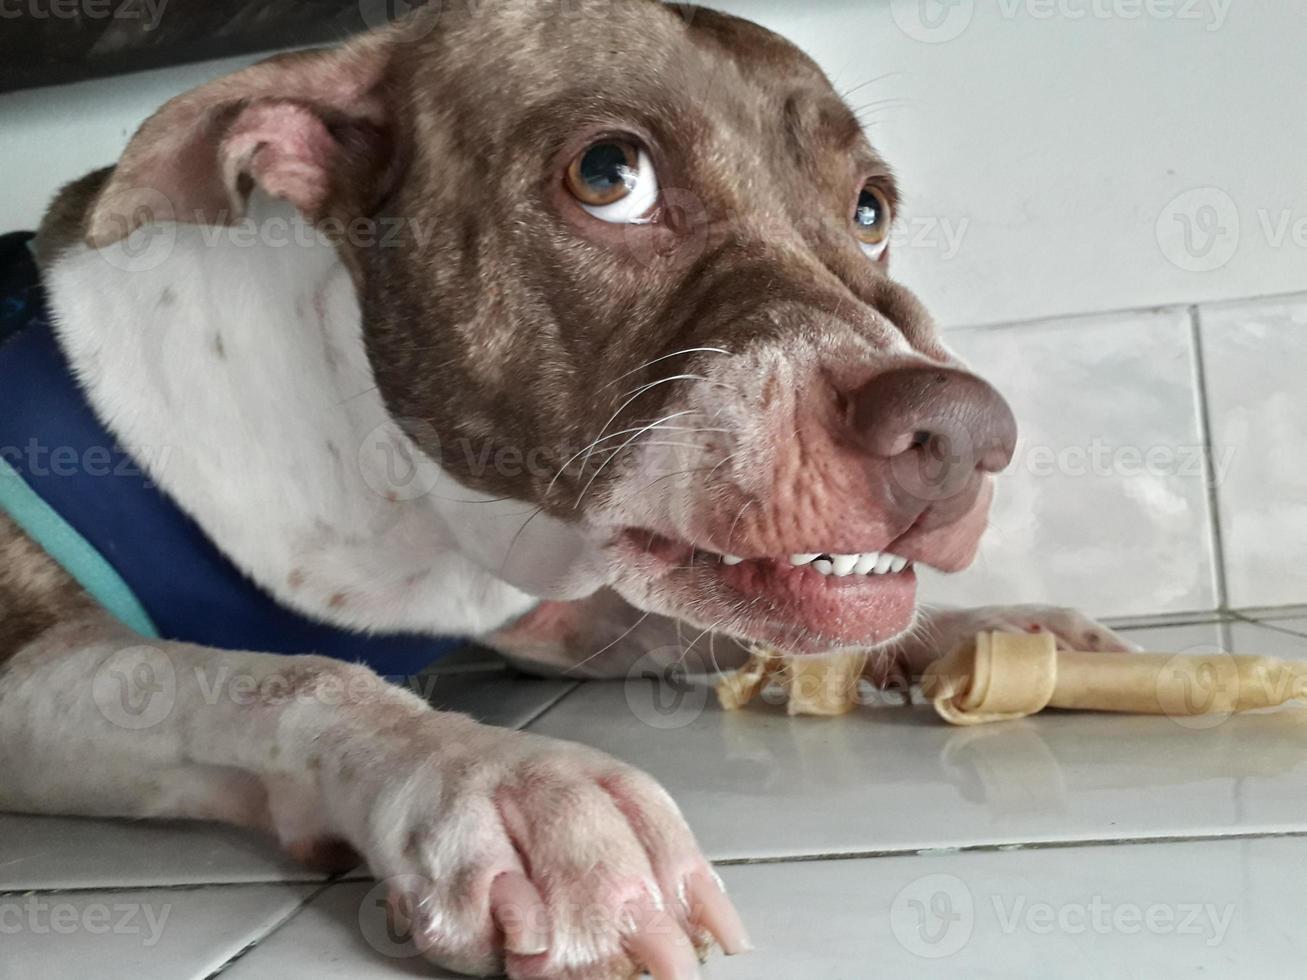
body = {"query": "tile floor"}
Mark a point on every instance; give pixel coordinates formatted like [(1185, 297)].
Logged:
[(888, 845)]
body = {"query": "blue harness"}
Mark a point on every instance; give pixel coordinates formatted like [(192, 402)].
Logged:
[(70, 486)]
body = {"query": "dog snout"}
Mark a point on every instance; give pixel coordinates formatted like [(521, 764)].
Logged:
[(937, 431)]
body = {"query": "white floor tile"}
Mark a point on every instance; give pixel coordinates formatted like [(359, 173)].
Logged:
[(62, 852), (1275, 639), (1254, 356), (176, 933), (1105, 506), (497, 696), (756, 783), (1208, 908), (1227, 908), (342, 933)]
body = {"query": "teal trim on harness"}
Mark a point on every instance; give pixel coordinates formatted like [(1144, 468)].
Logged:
[(72, 551)]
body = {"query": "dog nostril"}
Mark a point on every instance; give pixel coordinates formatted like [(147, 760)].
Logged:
[(952, 416)]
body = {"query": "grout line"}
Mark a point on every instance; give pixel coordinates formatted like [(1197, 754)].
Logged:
[(1209, 460), (193, 886), (1270, 625), (265, 933), (994, 848), (546, 708), (1150, 309)]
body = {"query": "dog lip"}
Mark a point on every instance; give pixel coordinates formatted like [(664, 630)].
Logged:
[(771, 600)]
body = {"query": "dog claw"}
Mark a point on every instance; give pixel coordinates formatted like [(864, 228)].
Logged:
[(712, 910), (663, 949), (520, 913)]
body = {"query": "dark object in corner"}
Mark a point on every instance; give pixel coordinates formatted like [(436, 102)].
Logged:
[(46, 42)]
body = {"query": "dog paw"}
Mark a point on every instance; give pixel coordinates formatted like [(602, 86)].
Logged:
[(1072, 629), (506, 851), (944, 629)]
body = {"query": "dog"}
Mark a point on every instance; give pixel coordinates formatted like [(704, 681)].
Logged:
[(577, 328)]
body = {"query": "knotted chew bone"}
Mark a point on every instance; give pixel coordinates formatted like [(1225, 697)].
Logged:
[(1002, 676)]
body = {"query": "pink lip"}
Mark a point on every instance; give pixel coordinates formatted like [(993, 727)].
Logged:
[(795, 608)]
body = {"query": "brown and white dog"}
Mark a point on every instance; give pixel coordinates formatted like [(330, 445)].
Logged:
[(641, 268)]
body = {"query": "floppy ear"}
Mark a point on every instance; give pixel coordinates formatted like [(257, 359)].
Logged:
[(312, 127)]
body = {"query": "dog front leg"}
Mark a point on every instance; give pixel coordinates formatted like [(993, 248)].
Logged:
[(465, 822)]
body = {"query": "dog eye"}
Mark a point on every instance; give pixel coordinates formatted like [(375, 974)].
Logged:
[(614, 180), (872, 220)]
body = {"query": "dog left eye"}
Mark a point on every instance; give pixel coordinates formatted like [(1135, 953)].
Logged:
[(614, 181), (872, 220)]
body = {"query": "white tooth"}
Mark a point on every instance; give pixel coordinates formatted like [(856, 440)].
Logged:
[(823, 566), (731, 560), (843, 564), (884, 562), (866, 563), (803, 559), (899, 565)]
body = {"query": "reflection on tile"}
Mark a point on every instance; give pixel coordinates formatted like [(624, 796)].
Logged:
[(1254, 355), (64, 852), (175, 933), (1206, 908), (1105, 507), (346, 931), (756, 783)]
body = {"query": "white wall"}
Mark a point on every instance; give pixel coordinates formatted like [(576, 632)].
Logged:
[(1051, 144), (1106, 157)]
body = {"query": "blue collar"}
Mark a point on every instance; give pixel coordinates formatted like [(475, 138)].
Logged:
[(148, 561)]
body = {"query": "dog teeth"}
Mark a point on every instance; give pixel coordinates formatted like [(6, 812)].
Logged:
[(867, 563), (828, 563), (843, 564)]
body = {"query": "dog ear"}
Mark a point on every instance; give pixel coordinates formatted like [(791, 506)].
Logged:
[(312, 127)]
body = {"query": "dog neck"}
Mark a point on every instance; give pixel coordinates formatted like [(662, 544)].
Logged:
[(230, 362)]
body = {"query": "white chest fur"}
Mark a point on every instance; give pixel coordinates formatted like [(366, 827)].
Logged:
[(230, 362)]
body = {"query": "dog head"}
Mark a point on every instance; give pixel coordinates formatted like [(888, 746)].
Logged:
[(650, 256)]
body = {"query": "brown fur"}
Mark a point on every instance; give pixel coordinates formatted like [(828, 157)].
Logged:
[(35, 593)]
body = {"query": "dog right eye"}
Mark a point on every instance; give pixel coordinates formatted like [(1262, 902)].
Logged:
[(614, 181)]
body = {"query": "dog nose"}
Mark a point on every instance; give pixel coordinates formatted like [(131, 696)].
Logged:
[(940, 430)]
